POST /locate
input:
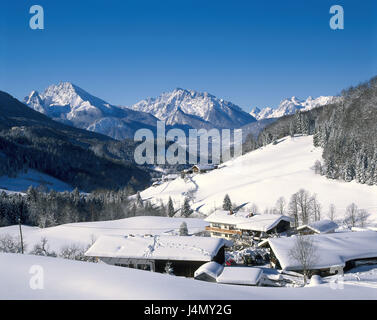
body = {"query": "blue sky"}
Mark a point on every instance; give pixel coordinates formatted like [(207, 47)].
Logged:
[(253, 53)]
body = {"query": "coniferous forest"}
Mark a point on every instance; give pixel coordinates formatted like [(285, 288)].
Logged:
[(347, 131)]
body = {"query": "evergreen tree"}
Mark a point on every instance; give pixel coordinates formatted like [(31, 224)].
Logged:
[(186, 209), (171, 211), (227, 204), (183, 231)]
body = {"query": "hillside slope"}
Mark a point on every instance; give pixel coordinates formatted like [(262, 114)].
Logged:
[(262, 176), (69, 104), (83, 159)]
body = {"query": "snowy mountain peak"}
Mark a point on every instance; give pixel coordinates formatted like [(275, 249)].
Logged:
[(290, 105), (72, 105), (211, 110)]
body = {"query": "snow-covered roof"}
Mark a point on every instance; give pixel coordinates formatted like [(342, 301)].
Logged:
[(258, 222), (223, 216), (262, 222), (204, 166), (322, 226), (240, 275), (213, 269), (170, 176), (332, 249), (158, 247)]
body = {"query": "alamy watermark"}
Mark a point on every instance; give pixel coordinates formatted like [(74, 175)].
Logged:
[(174, 146), (36, 281), (37, 20), (337, 20)]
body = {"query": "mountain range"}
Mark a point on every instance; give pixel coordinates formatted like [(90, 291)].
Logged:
[(291, 105), (188, 107), (74, 106), (180, 108)]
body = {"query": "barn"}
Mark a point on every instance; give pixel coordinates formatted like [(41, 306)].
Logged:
[(183, 254)]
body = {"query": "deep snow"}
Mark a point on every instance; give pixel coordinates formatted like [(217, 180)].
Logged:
[(84, 233), (264, 175), (65, 279)]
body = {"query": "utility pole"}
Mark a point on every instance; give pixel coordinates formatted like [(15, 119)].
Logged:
[(22, 242)]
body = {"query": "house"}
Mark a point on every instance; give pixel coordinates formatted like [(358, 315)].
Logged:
[(318, 227), (184, 254), (202, 168), (169, 177), (339, 249), (225, 224), (260, 226)]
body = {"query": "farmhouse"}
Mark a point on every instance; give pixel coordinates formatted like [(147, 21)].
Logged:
[(183, 254), (202, 168), (318, 227), (225, 224), (339, 249)]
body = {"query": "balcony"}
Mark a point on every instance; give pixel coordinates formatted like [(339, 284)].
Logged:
[(226, 231)]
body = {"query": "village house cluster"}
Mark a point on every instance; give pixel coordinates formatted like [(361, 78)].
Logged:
[(205, 257)]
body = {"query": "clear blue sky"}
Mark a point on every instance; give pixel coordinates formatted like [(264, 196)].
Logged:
[(253, 53)]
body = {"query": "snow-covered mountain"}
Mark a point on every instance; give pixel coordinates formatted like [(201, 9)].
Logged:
[(72, 105), (291, 105), (188, 107)]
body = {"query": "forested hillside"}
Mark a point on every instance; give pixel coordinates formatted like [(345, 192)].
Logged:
[(81, 158), (347, 131)]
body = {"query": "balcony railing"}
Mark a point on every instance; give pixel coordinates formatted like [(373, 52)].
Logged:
[(212, 229)]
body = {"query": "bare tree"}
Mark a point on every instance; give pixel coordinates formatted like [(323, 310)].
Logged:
[(293, 209), (305, 205), (304, 252), (254, 209), (351, 215), (9, 244), (362, 217), (280, 205), (43, 249), (316, 208), (318, 167), (332, 212)]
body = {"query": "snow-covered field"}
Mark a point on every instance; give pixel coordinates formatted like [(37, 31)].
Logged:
[(65, 279), (85, 232), (264, 175), (32, 178)]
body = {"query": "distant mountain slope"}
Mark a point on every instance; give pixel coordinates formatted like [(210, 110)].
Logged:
[(291, 105), (83, 159), (181, 107), (346, 130), (72, 105), (262, 176)]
